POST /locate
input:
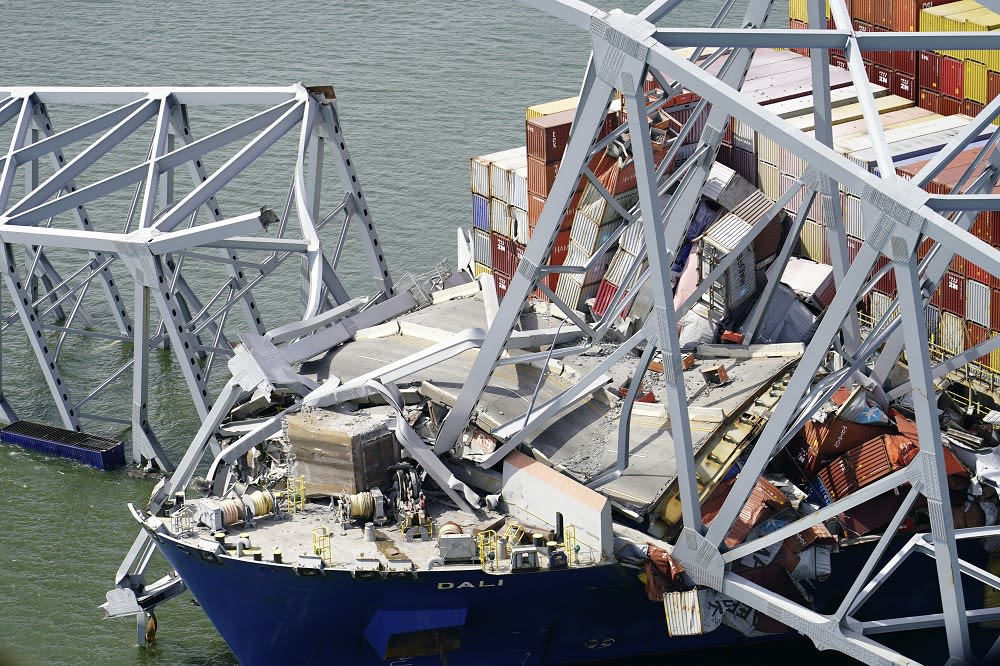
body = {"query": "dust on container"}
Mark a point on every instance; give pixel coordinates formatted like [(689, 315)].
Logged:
[(739, 282)]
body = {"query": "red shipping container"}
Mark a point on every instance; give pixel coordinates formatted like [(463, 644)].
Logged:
[(949, 106), (928, 100), (546, 136), (995, 309), (887, 283), (502, 283), (870, 69), (902, 84), (506, 254), (906, 13), (541, 176), (560, 248), (862, 11), (992, 85), (837, 59), (957, 265), (883, 58), (905, 61), (985, 227), (883, 77), (971, 107), (951, 75), (605, 293), (928, 70), (950, 295), (793, 24), (881, 14), (976, 273), (535, 205), (853, 247), (974, 335), (924, 247)]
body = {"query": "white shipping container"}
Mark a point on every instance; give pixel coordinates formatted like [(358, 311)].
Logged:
[(519, 225), (619, 267), (500, 220), (951, 333), (569, 291), (632, 239), (519, 187), (597, 208), (481, 176), (932, 316), (789, 163), (482, 251), (740, 281), (501, 174), (977, 302), (744, 136), (853, 221), (586, 231), (879, 304), (718, 177)]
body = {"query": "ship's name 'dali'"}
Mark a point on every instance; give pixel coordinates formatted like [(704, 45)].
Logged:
[(445, 585)]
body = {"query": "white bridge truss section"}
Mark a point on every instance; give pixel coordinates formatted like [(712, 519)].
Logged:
[(156, 217), (897, 214)]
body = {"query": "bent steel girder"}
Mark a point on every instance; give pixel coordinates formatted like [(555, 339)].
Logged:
[(190, 266), (897, 216)]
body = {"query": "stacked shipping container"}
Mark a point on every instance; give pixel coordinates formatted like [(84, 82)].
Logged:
[(943, 81)]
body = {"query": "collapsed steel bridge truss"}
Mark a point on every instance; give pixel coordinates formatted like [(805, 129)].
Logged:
[(171, 268), (897, 215)]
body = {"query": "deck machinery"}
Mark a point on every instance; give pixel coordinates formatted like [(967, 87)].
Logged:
[(160, 237)]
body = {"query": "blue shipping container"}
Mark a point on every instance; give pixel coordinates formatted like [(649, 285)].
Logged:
[(480, 212)]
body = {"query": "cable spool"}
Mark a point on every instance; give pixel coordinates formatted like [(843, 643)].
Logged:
[(260, 502), (232, 511), (450, 529), (362, 505)]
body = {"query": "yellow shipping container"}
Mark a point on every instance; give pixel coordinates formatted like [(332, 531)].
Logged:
[(479, 269), (975, 81), (942, 19), (798, 10), (811, 240), (983, 20), (548, 108), (995, 356)]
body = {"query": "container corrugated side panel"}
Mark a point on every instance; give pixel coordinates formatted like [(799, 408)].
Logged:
[(481, 269), (598, 209), (853, 221), (632, 238), (481, 176), (569, 290), (500, 221), (770, 181), (878, 304), (768, 150), (618, 268), (519, 225), (811, 241), (480, 212), (519, 187), (994, 358), (481, 250), (744, 136), (951, 332), (726, 232), (684, 612), (975, 81), (977, 302)]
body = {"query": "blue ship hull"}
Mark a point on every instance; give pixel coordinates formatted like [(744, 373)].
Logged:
[(269, 614)]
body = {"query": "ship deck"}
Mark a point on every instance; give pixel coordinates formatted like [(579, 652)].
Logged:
[(581, 441)]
